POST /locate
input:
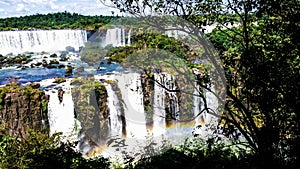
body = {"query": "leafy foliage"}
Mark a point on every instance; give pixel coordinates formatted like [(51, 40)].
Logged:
[(258, 45), (59, 80), (153, 40), (90, 101), (196, 153), (92, 53), (60, 20), (41, 151)]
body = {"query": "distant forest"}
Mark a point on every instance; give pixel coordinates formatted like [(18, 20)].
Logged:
[(60, 20)]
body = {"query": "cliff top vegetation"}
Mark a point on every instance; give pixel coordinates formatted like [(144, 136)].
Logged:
[(60, 20)]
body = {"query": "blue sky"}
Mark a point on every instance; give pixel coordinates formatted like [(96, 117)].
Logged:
[(11, 8)]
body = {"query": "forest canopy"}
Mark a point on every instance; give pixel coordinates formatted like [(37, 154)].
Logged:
[(60, 20)]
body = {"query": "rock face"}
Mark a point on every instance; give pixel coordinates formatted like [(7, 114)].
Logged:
[(147, 80), (90, 101), (23, 109), (60, 95)]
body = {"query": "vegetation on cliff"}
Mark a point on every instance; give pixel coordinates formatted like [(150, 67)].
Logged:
[(23, 108), (90, 102), (151, 41), (39, 150), (92, 53)]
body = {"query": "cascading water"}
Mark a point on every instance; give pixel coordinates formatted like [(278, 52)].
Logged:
[(164, 89), (205, 120), (61, 114), (126, 107), (158, 107), (132, 98), (165, 102), (117, 37), (212, 103), (197, 108), (115, 112), (129, 37), (42, 40)]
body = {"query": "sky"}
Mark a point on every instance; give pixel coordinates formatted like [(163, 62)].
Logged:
[(15, 8)]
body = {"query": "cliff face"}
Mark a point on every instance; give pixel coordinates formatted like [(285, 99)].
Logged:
[(90, 101), (22, 109), (147, 80), (116, 89)]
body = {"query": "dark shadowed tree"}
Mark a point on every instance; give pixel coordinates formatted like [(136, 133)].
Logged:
[(258, 43)]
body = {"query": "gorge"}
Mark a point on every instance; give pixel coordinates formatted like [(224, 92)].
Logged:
[(102, 109)]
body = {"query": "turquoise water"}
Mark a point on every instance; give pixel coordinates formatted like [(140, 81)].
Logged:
[(23, 76), (29, 75)]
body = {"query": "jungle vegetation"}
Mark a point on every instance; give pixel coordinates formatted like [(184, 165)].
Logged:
[(60, 20), (260, 57), (261, 61)]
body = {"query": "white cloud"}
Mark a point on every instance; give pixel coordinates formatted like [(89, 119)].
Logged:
[(4, 2), (1, 10), (29, 7), (53, 5), (20, 7), (35, 1)]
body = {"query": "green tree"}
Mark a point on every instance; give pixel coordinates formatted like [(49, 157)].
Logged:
[(39, 150), (258, 45), (55, 21)]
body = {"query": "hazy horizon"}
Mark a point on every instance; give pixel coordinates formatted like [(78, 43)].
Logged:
[(17, 8)]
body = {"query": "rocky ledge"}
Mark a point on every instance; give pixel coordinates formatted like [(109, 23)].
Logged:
[(23, 109)]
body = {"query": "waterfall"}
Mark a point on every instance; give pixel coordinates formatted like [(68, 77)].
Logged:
[(132, 98), (127, 115), (196, 108), (160, 101), (212, 102), (129, 37), (158, 106), (165, 105), (123, 37), (114, 112), (61, 114), (116, 37), (125, 93), (17, 42), (205, 121), (166, 87)]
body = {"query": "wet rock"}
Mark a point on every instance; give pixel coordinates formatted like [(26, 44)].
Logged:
[(61, 66), (80, 69), (51, 66), (94, 118), (60, 94), (69, 71), (23, 109), (35, 85)]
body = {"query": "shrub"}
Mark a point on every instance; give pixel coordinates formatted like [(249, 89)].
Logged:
[(41, 151), (54, 55), (59, 80)]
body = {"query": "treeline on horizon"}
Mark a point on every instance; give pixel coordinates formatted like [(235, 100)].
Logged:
[(60, 20)]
